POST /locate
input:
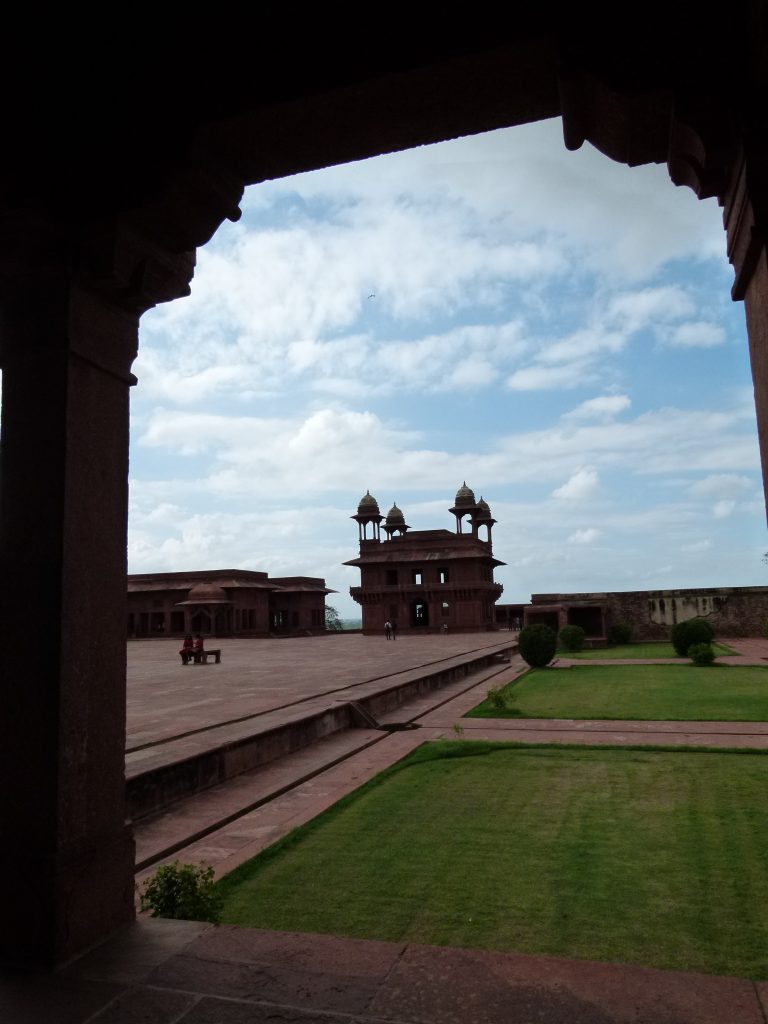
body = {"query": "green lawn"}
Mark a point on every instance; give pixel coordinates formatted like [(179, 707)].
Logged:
[(647, 650), (718, 693), (638, 855)]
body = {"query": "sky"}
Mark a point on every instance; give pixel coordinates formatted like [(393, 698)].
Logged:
[(552, 327)]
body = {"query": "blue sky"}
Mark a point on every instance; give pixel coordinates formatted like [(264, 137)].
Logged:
[(552, 327)]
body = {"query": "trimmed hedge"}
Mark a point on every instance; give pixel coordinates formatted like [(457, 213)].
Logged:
[(537, 644), (693, 631)]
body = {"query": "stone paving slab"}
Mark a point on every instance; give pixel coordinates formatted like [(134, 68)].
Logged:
[(229, 975)]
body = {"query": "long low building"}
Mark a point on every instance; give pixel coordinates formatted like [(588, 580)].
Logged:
[(223, 602), (651, 614)]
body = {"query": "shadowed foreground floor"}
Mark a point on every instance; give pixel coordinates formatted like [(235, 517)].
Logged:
[(178, 972)]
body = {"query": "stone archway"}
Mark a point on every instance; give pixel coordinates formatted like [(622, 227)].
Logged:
[(97, 228)]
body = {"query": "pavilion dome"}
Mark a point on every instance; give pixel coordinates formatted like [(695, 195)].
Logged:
[(484, 509), (368, 505), (207, 593), (395, 516), (465, 496)]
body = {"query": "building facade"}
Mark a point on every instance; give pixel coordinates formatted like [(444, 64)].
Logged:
[(426, 580), (225, 602)]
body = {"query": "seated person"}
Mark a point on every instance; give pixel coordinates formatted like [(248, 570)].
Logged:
[(187, 649), (199, 646)]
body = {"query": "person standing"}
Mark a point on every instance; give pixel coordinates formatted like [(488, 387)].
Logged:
[(388, 629), (393, 624)]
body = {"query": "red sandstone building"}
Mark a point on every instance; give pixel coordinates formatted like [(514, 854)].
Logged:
[(426, 580), (223, 602)]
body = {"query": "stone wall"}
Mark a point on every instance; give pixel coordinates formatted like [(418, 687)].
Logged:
[(733, 611)]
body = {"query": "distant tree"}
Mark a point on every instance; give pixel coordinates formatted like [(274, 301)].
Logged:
[(332, 620)]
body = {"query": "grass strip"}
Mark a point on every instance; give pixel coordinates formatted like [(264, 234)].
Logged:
[(645, 855), (684, 692)]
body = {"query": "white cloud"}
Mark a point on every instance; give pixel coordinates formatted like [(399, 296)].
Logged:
[(584, 484), (545, 378), (697, 547), (723, 509), (634, 311), (603, 407), (697, 334), (722, 485), (584, 536)]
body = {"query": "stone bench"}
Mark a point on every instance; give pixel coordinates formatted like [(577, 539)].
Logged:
[(201, 657)]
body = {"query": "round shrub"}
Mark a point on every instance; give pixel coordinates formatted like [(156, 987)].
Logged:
[(701, 654), (537, 644), (693, 631), (572, 638), (619, 633), (184, 892)]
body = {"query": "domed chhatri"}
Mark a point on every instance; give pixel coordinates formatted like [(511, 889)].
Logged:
[(207, 593), (483, 510), (465, 496), (368, 514), (395, 523), (368, 505)]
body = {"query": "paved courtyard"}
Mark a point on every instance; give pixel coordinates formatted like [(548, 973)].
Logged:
[(166, 698)]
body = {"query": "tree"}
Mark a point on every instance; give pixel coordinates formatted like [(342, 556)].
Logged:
[(332, 620)]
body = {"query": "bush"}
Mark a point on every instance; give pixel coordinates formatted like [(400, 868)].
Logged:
[(619, 633), (497, 698), (184, 892), (537, 644), (572, 638), (701, 654), (693, 631)]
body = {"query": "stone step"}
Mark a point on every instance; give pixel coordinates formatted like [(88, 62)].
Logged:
[(202, 814), (162, 773)]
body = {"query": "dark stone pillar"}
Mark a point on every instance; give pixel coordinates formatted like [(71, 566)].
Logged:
[(756, 306), (67, 854), (746, 224)]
